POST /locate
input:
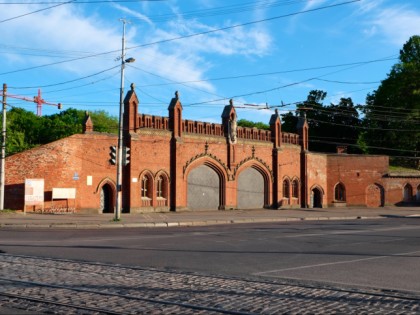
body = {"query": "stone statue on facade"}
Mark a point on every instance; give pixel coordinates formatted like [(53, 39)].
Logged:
[(233, 126)]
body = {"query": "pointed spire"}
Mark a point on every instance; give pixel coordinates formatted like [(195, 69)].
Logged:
[(87, 123)]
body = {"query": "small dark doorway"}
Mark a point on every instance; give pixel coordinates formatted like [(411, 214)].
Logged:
[(106, 202), (316, 198)]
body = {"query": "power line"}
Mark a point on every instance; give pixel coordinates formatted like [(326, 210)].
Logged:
[(229, 9), (66, 82), (79, 1), (183, 37), (278, 87), (36, 11), (246, 24), (274, 73), (370, 147), (347, 82), (361, 127)]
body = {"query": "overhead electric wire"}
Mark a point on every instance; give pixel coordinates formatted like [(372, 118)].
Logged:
[(185, 36), (79, 1), (217, 11), (188, 86), (246, 24), (348, 82), (370, 147), (66, 82), (279, 87), (362, 127), (275, 72), (36, 11)]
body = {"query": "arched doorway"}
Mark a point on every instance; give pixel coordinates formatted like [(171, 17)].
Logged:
[(316, 198), (252, 189), (203, 191), (375, 196), (106, 199), (408, 193), (418, 193)]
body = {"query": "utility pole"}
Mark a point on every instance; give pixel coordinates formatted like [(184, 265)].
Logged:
[(118, 203), (36, 99), (3, 148)]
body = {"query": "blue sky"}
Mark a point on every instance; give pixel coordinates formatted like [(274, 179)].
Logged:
[(71, 52)]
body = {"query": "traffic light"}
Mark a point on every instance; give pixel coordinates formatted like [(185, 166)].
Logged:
[(113, 155), (126, 156), (60, 106)]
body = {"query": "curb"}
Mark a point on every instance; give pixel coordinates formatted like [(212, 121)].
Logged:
[(161, 224)]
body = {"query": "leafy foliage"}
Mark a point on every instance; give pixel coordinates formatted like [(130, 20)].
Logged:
[(251, 124), (329, 126), (392, 112), (25, 130)]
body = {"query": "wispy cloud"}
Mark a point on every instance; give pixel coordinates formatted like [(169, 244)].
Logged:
[(313, 3), (236, 41), (394, 23), (132, 13)]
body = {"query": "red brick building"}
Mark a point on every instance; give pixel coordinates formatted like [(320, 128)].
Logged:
[(177, 164)]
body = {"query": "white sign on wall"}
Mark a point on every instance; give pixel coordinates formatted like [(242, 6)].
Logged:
[(64, 193), (34, 191)]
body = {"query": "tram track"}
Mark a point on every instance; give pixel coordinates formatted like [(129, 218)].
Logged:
[(114, 289), (97, 295)]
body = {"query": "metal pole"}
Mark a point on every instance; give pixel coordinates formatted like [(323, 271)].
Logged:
[(118, 205), (3, 149)]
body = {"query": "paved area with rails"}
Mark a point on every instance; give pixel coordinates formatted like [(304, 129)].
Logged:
[(41, 285), (197, 218)]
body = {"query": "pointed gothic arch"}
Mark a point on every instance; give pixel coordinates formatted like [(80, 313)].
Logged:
[(146, 180), (253, 186), (408, 193), (162, 189), (375, 196), (340, 192), (317, 197), (205, 182), (106, 190)]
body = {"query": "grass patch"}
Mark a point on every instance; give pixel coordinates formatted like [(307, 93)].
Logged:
[(8, 211), (395, 168)]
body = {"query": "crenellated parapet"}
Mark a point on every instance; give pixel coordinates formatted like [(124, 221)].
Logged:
[(290, 138), (155, 122), (228, 128)]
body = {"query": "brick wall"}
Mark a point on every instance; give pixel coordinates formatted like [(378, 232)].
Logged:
[(57, 163), (164, 150)]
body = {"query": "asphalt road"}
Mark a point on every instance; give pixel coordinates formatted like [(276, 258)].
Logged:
[(383, 254)]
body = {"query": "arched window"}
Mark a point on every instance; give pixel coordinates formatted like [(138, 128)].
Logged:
[(340, 192), (295, 188), (286, 188), (159, 187), (408, 193), (146, 186)]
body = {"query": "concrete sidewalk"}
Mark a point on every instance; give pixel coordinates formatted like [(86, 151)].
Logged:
[(197, 218)]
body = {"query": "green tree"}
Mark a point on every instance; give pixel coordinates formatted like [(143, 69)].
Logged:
[(22, 130), (329, 126), (251, 124), (25, 130), (103, 122), (392, 112)]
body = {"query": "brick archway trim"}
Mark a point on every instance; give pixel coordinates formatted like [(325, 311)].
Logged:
[(261, 165), (316, 186), (206, 158), (221, 171), (105, 181), (264, 171)]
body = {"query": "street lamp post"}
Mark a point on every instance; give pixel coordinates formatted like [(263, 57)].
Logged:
[(3, 149), (118, 204)]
